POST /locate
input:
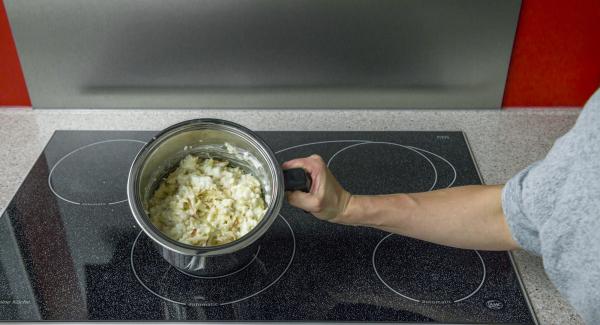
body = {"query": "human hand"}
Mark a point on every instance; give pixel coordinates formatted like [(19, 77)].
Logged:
[(327, 199)]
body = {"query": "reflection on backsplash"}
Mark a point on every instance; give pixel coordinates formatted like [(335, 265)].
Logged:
[(265, 53)]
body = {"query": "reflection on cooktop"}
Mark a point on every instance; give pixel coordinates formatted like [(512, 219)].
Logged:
[(72, 251)]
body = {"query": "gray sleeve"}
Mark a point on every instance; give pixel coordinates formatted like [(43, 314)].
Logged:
[(553, 210), (524, 230)]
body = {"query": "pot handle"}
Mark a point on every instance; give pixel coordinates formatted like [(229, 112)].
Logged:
[(296, 179)]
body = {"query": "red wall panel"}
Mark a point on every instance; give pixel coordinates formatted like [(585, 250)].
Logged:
[(13, 91), (556, 56)]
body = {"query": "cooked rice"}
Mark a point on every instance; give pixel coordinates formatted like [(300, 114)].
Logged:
[(206, 202)]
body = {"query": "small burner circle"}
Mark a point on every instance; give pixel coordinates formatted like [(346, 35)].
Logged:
[(365, 184), (257, 270), (92, 183), (475, 285)]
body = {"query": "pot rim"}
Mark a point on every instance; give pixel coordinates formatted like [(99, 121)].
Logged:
[(143, 220)]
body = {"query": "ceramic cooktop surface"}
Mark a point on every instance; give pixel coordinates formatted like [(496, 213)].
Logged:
[(71, 249)]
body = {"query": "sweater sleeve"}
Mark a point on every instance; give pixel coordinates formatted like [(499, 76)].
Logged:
[(553, 209), (524, 230)]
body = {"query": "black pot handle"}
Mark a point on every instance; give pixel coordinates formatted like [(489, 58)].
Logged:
[(296, 179)]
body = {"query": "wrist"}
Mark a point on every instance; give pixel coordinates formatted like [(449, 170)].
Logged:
[(348, 212), (379, 211)]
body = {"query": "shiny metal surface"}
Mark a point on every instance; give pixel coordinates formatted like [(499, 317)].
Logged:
[(210, 266), (204, 137), (265, 53)]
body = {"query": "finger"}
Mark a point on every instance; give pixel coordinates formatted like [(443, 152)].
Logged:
[(304, 201), (294, 163), (318, 159), (310, 165), (306, 160)]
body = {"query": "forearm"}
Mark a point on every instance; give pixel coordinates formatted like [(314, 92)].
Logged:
[(465, 217)]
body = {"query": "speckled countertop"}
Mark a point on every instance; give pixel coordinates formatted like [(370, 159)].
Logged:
[(503, 142)]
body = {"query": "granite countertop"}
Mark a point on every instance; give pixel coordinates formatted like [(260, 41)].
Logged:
[(503, 142)]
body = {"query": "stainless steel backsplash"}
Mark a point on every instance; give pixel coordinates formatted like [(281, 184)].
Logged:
[(265, 53)]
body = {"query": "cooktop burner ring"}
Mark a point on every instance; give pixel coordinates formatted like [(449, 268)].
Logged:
[(465, 297), (356, 142), (61, 160), (203, 303), (316, 143), (455, 173), (435, 172)]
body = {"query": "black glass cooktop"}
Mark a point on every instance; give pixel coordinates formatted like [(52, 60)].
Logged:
[(70, 249)]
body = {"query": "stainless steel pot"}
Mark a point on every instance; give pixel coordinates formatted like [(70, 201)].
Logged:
[(207, 138)]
